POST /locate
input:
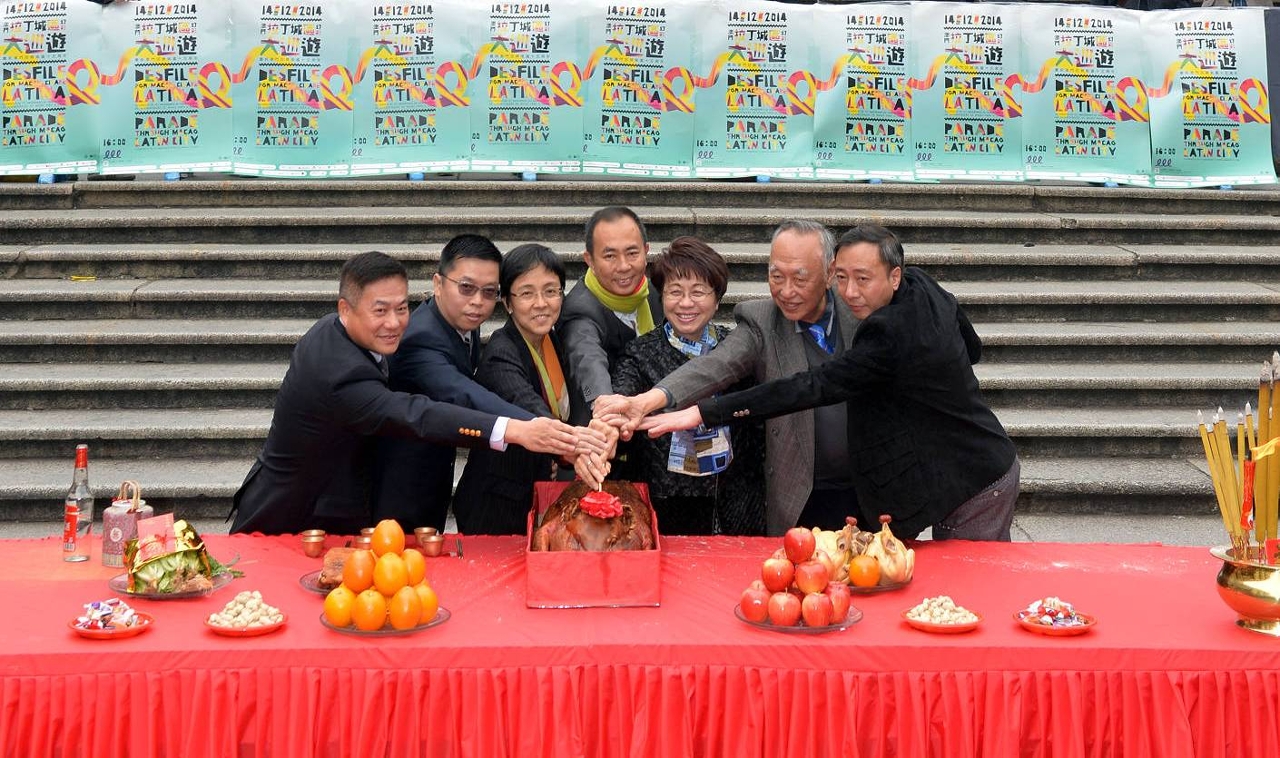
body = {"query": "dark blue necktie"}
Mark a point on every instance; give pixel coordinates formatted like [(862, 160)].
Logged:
[(820, 336)]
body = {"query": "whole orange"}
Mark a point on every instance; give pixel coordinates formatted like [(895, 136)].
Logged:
[(430, 603), (405, 609), (370, 611), (390, 574), (338, 605), (357, 572), (388, 537), (864, 571), (416, 564)]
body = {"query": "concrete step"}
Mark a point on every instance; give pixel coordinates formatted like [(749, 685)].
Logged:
[(548, 191), (185, 433), (149, 341), (1119, 385), (32, 489), (1240, 342), (383, 225), (70, 386), (1040, 301)]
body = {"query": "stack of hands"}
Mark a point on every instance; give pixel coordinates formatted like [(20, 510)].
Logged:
[(619, 417)]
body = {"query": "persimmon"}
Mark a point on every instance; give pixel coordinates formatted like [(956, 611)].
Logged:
[(369, 613), (430, 603), (388, 537), (338, 604), (864, 571), (416, 564), (357, 572), (390, 574), (405, 609)]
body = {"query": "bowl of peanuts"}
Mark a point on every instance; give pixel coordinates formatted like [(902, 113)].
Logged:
[(941, 615)]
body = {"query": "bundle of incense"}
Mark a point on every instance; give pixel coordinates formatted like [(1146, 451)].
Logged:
[(1267, 470), (1222, 472)]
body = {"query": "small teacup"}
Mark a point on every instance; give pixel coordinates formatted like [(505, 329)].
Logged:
[(313, 544), (363, 542), (422, 533), (432, 545)]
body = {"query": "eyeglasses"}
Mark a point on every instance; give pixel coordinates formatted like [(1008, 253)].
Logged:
[(549, 294), (467, 289), (696, 294)]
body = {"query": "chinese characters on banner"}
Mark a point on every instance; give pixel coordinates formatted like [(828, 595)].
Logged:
[(863, 128), (662, 88)]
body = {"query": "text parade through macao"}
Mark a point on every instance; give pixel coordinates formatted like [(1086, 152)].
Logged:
[(675, 89)]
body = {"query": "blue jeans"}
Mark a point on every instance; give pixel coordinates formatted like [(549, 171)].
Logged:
[(987, 515)]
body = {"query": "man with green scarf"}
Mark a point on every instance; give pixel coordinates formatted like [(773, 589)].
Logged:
[(611, 305)]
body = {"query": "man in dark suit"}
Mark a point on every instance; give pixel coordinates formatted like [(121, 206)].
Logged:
[(927, 449), (805, 325), (313, 469), (610, 306), (438, 358)]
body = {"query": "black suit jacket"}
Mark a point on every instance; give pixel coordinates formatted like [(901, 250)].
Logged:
[(313, 468), (415, 478), (921, 438), (496, 489), (595, 338)]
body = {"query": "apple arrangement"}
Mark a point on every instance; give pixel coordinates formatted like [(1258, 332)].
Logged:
[(795, 586)]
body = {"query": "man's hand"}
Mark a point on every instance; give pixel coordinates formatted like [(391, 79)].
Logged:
[(625, 413), (610, 433), (665, 423), (591, 469), (597, 439), (543, 435)]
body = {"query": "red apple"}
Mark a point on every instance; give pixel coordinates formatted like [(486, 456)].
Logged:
[(777, 573), (816, 610), (758, 585), (841, 599), (799, 544), (784, 609), (755, 603), (811, 577)]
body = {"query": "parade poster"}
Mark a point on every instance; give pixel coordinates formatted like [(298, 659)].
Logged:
[(964, 116), (162, 109), (291, 89), (862, 127), (638, 88), (755, 115), (1084, 114), (1206, 78), (526, 112), (50, 85)]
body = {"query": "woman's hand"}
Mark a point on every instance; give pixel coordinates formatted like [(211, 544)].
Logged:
[(675, 421), (591, 469)]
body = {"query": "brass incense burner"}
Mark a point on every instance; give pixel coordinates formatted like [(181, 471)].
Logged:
[(1251, 588)]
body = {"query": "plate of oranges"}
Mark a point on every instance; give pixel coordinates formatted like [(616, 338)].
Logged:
[(384, 589)]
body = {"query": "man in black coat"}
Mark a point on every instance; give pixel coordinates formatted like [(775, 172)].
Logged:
[(924, 446), (438, 358), (313, 471)]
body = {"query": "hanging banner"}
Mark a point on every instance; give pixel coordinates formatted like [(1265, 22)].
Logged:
[(638, 91), (965, 118), (410, 97), (48, 73), (291, 89), (1210, 118), (526, 112), (1084, 111), (755, 115), (162, 109), (862, 126)]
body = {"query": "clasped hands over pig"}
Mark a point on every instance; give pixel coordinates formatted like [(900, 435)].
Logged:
[(625, 415)]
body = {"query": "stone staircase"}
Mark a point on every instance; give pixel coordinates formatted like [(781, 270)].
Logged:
[(154, 320)]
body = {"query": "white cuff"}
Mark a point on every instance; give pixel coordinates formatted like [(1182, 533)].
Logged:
[(497, 439)]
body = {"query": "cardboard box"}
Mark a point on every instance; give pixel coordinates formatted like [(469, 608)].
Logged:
[(580, 579)]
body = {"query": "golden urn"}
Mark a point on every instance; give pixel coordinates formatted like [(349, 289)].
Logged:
[(1251, 588)]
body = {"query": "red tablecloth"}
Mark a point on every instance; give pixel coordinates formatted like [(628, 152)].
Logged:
[(1165, 673)]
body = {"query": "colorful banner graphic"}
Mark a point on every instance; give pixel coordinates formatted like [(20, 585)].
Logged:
[(863, 121), (920, 91), (1081, 118), (1206, 80)]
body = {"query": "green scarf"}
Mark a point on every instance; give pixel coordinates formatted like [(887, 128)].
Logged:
[(637, 302)]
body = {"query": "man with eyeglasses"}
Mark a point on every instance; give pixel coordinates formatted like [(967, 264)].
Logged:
[(438, 358), (805, 325)]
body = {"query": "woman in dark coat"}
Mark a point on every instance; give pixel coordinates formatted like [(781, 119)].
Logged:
[(521, 364), (699, 489)]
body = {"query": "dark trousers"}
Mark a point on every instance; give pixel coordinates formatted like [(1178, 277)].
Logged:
[(826, 509)]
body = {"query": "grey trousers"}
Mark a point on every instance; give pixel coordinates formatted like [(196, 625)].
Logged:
[(987, 515)]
